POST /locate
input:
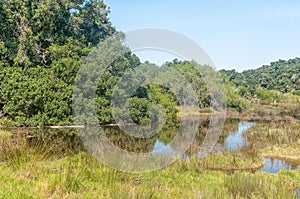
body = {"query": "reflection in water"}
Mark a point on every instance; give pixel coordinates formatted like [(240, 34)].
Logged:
[(131, 154), (127, 142), (236, 139), (274, 166), (231, 139), (59, 142), (167, 149), (66, 141), (161, 144), (169, 141)]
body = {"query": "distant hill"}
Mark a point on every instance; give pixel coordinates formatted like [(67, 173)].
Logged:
[(281, 75)]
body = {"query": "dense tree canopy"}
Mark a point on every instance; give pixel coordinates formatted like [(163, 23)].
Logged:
[(281, 75), (32, 29), (42, 44), (269, 84)]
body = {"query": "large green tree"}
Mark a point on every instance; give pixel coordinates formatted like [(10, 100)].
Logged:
[(31, 28), (42, 45)]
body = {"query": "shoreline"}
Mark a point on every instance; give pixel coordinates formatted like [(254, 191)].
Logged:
[(245, 116)]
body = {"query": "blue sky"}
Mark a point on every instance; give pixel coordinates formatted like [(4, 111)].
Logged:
[(235, 34)]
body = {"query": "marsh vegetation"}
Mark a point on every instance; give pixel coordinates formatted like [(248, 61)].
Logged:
[(53, 163)]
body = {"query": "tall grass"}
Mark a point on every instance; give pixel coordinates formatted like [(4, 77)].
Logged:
[(17, 152), (37, 168), (25, 148), (280, 140), (266, 134), (4, 133), (247, 185)]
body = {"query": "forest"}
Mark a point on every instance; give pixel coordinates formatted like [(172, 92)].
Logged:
[(42, 46), (274, 84), (280, 75)]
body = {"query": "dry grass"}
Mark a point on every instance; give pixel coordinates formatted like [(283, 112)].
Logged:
[(290, 153), (266, 134)]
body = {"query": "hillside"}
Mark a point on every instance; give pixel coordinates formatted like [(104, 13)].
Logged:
[(281, 75)]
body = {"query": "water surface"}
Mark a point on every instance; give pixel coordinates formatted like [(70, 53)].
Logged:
[(235, 140), (274, 166), (230, 140)]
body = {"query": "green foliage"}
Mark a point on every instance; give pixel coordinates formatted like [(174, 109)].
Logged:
[(236, 102), (31, 28), (235, 96), (281, 75), (194, 74), (166, 99), (265, 85), (296, 92), (140, 110), (107, 83), (268, 96), (42, 45), (35, 96), (144, 100)]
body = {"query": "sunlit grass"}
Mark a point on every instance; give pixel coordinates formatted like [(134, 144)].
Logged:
[(289, 153), (279, 140), (81, 176), (4, 133), (266, 134), (229, 162), (259, 185), (33, 171)]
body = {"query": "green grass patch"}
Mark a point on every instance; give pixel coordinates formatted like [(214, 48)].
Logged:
[(288, 153), (267, 134), (5, 133), (82, 176), (32, 171), (230, 162)]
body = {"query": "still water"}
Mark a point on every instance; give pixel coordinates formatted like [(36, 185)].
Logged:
[(275, 165), (236, 139), (231, 139)]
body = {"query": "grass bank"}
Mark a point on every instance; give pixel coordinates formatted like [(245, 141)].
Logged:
[(34, 171), (277, 140)]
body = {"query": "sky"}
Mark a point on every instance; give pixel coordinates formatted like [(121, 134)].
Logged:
[(235, 34)]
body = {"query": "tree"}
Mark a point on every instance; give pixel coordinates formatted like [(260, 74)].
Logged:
[(42, 45), (280, 75), (30, 28)]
